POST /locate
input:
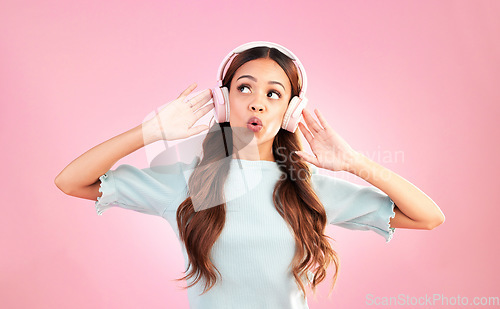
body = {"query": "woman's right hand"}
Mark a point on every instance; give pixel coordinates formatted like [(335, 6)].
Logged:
[(176, 120)]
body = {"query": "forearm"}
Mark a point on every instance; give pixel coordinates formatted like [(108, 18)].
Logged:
[(86, 169), (414, 203)]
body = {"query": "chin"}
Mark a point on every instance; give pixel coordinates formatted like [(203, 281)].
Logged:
[(263, 138)]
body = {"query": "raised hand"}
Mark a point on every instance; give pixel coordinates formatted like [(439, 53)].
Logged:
[(330, 150), (176, 120)]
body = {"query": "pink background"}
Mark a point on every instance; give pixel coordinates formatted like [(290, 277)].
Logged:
[(416, 77)]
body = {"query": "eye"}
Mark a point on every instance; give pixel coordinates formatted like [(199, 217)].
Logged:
[(278, 95), (240, 88)]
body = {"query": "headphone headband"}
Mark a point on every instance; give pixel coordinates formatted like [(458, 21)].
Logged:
[(229, 58)]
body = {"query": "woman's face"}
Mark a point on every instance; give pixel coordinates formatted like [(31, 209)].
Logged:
[(259, 88)]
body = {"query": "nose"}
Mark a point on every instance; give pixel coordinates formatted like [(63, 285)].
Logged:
[(256, 106)]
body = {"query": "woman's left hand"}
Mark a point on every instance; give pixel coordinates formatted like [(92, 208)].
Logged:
[(331, 151)]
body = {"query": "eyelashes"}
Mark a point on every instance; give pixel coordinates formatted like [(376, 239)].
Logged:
[(241, 87)]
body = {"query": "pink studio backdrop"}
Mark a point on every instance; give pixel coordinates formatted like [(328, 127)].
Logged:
[(411, 84)]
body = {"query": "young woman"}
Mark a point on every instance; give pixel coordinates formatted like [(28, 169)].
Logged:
[(251, 211)]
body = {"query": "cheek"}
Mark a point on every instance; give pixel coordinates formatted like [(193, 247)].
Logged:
[(233, 105), (282, 114), (233, 98), (278, 117), (236, 110)]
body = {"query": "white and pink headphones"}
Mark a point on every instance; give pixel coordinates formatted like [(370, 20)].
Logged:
[(220, 94)]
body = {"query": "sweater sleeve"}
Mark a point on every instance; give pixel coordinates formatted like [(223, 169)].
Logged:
[(354, 206), (150, 190)]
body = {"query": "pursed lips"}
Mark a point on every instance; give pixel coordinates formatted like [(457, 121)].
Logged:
[(254, 124), (255, 121)]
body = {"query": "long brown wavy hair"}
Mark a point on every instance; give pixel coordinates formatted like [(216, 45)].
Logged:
[(293, 196)]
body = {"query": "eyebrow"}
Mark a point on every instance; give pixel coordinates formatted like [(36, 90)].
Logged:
[(255, 80)]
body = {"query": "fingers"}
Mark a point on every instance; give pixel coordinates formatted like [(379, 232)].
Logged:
[(311, 122), (203, 111), (322, 119), (308, 157), (309, 137), (188, 90), (201, 98)]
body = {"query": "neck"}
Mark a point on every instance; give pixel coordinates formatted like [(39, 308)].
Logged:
[(252, 152), (243, 156)]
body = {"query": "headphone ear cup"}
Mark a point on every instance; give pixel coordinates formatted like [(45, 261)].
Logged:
[(225, 94), (293, 115), (220, 96)]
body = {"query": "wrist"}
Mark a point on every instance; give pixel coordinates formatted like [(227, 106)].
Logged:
[(355, 162), (151, 130), (162, 132)]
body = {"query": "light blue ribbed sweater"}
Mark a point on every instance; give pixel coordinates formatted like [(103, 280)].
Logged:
[(255, 249)]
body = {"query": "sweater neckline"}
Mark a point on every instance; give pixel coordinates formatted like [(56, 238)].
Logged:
[(254, 164), (263, 165)]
